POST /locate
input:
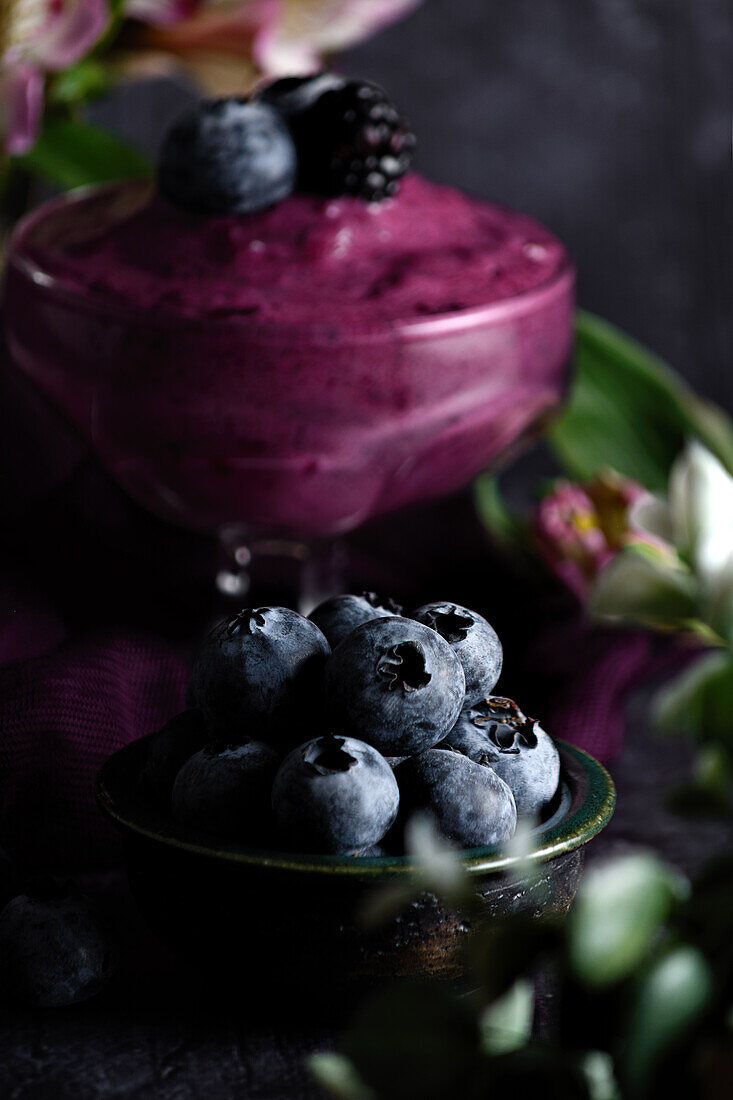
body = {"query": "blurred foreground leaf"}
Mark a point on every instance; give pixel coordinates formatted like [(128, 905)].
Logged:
[(699, 702), (617, 916), (74, 154), (669, 998), (337, 1076), (506, 1025)]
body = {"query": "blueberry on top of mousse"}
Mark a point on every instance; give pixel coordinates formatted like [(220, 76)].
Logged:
[(494, 732), (473, 640), (258, 672), (396, 684), (338, 616), (334, 795), (227, 156), (351, 138)]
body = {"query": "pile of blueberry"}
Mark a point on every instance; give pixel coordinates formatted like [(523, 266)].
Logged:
[(325, 734), (323, 134)]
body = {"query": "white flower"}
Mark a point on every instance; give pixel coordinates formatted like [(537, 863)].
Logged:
[(697, 518)]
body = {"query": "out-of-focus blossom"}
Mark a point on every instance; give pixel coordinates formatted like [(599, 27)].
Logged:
[(698, 518), (580, 528), (38, 37), (229, 44), (161, 13)]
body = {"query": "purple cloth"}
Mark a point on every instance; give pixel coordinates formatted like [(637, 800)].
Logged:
[(592, 670), (67, 703)]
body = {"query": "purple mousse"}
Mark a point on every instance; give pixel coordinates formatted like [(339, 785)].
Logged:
[(300, 368)]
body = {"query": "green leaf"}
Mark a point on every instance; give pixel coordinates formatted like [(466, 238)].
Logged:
[(338, 1077), (699, 702), (74, 154), (599, 1073), (635, 588), (617, 915), (671, 995), (415, 1041), (506, 1025), (629, 411), (85, 80), (505, 528)]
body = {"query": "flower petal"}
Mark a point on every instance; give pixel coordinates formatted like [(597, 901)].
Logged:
[(21, 92), (720, 600), (635, 588), (651, 515), (701, 503), (161, 13), (70, 31), (304, 30)]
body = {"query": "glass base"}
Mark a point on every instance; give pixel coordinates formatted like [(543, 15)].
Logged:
[(257, 569)]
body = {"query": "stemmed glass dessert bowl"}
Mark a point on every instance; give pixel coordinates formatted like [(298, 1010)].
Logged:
[(287, 373)]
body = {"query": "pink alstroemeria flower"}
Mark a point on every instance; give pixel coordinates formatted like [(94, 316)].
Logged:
[(37, 37), (578, 529)]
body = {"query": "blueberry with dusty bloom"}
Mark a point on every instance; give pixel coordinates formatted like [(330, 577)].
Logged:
[(334, 795), (257, 672), (340, 615), (470, 804), (496, 733), (472, 639), (227, 790), (396, 684)]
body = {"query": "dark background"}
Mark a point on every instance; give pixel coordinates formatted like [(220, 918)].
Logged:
[(608, 119)]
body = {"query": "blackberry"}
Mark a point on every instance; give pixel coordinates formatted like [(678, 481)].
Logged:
[(351, 139)]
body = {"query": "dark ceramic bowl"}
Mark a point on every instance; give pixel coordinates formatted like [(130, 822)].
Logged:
[(295, 918)]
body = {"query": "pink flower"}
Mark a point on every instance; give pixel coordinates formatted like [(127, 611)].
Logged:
[(578, 529), (229, 44), (161, 13), (37, 37)]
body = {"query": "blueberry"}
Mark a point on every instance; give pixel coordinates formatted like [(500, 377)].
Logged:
[(258, 671), (396, 684), (494, 732), (471, 805), (474, 641), (168, 750), (54, 949), (335, 795), (340, 615), (227, 790), (227, 156)]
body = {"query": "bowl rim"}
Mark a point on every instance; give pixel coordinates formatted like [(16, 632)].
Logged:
[(592, 798)]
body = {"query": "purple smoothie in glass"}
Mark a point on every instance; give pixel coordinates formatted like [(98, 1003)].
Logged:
[(299, 369)]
